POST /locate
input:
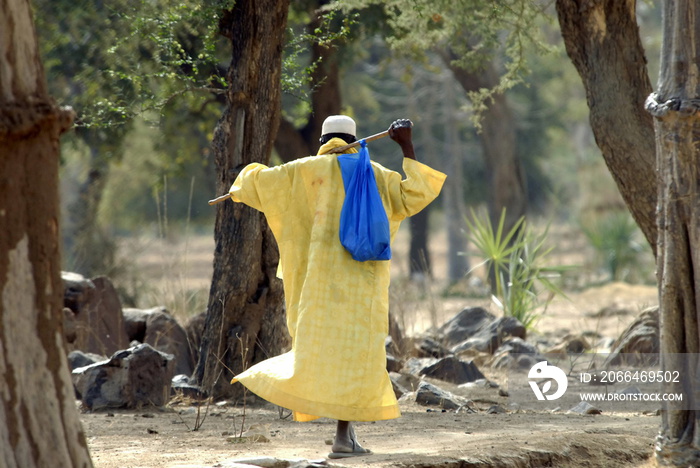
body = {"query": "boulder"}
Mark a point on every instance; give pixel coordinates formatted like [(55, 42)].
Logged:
[(132, 378), (414, 366), (78, 359), (428, 347), (430, 395), (451, 369), (95, 325), (476, 328), (159, 329), (639, 343)]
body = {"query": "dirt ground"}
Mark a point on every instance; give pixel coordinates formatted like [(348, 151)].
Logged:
[(152, 438), (422, 437)]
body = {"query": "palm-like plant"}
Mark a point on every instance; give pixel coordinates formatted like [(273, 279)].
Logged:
[(521, 285)]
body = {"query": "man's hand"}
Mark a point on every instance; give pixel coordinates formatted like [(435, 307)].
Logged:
[(400, 132)]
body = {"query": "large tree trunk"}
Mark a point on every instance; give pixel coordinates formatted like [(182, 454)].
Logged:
[(676, 108), (245, 316), (39, 423), (602, 40)]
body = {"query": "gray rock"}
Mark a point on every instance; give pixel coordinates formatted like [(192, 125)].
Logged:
[(515, 353), (476, 328), (430, 395), (639, 343), (414, 365), (408, 381), (180, 385), (159, 329), (132, 378), (428, 347), (584, 408), (451, 369), (96, 325), (517, 345), (393, 364), (399, 390), (78, 359)]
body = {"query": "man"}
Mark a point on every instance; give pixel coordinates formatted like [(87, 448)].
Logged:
[(337, 307)]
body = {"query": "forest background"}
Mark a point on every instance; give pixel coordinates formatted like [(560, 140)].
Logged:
[(146, 82)]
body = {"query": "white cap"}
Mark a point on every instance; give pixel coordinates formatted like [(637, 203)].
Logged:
[(338, 124)]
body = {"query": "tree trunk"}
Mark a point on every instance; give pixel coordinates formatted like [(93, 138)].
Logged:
[(676, 109), (88, 250), (453, 190), (292, 143), (508, 187), (39, 423), (245, 317), (602, 40)]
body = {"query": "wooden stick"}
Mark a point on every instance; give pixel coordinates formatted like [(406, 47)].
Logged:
[(376, 136), (339, 149)]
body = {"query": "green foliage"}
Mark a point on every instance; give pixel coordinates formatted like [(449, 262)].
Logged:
[(476, 32), (615, 240), (522, 286)]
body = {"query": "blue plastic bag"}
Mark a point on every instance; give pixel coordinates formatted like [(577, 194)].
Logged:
[(364, 226)]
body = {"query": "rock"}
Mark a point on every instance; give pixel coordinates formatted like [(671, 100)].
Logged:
[(515, 353), (131, 378), (194, 327), (78, 359), (180, 385), (515, 361), (430, 395), (639, 343), (159, 329), (408, 381), (414, 366), (396, 336), (479, 343), (399, 390), (584, 408), (96, 325), (451, 369), (571, 344), (517, 345), (272, 462), (428, 347), (393, 364), (496, 409), (257, 433), (476, 328)]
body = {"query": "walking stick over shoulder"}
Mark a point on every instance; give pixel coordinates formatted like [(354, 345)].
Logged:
[(339, 149)]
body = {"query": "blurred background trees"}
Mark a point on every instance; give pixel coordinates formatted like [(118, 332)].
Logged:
[(496, 103)]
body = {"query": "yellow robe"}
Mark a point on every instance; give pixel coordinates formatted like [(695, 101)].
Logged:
[(337, 308)]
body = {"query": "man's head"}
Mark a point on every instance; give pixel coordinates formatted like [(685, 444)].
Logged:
[(338, 126)]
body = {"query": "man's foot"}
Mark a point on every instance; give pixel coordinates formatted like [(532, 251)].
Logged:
[(354, 449)]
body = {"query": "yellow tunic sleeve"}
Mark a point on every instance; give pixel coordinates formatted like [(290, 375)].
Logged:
[(409, 196), (264, 188)]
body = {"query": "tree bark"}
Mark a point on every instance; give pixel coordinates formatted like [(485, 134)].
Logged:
[(245, 316), (39, 423), (602, 40), (676, 110)]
